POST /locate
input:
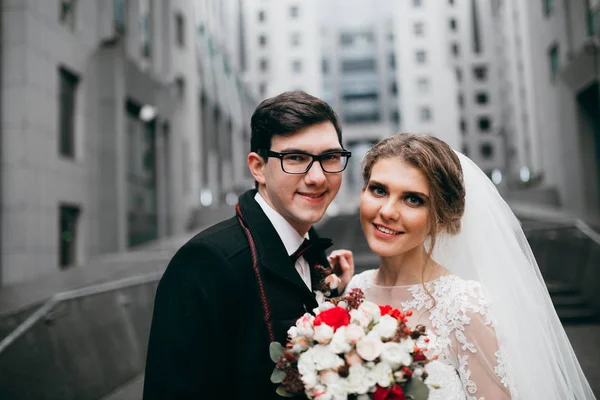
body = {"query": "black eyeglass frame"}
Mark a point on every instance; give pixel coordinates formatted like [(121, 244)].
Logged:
[(270, 153)]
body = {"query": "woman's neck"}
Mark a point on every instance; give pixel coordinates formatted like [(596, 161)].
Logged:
[(410, 268)]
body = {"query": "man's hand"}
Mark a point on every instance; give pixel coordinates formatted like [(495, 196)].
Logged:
[(342, 263)]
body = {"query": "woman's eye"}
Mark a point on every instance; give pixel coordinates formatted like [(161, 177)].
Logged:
[(377, 191), (414, 200)]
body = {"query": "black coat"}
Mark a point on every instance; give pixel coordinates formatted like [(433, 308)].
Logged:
[(209, 339)]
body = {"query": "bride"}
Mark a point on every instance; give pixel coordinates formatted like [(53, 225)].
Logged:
[(453, 255)]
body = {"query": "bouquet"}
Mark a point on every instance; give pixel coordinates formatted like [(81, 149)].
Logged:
[(351, 347)]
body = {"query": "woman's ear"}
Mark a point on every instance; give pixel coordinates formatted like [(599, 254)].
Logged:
[(256, 164)]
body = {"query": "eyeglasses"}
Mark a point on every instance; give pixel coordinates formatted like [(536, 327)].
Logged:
[(299, 162)]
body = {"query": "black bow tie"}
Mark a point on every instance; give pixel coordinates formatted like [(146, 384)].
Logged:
[(311, 248)]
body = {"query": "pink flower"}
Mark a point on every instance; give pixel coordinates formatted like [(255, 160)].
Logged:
[(352, 358), (369, 348), (304, 325), (333, 281)]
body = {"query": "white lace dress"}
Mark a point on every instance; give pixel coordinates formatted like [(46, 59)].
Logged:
[(460, 331)]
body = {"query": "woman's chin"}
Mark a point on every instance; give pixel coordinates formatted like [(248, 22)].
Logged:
[(382, 250)]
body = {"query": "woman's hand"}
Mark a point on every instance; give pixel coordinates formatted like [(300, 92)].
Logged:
[(342, 263)]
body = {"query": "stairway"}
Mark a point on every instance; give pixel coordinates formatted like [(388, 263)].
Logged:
[(569, 304)]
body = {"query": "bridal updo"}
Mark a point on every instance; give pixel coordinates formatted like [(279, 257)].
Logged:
[(440, 166)]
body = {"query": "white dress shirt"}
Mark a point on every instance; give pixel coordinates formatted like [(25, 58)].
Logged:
[(289, 236)]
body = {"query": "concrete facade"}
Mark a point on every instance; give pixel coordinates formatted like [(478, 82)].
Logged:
[(426, 74), (281, 46), (115, 177), (103, 129), (550, 88)]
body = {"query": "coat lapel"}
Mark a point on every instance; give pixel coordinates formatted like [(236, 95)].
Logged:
[(272, 255)]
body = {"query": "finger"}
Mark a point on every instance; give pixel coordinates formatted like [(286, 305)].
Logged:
[(344, 264)]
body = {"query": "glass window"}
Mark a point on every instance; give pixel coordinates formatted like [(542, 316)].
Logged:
[(425, 114), (68, 221), (423, 85), (421, 56), (417, 3), (453, 24), (264, 64), (480, 73), (66, 13), (485, 124), (419, 29), (295, 39), (180, 24), (481, 98), (455, 49), (554, 62), (487, 150), (294, 11), (548, 6), (67, 101), (297, 66)]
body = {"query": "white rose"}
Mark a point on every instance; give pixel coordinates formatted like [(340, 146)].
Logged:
[(356, 381), (322, 307), (325, 358), (309, 380), (381, 374), (408, 345), (369, 348), (360, 317), (386, 327), (292, 332), (304, 325), (339, 344), (319, 297), (372, 309), (354, 333), (395, 354), (300, 344), (323, 333), (329, 377)]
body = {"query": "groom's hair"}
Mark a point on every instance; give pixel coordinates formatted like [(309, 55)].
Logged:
[(288, 113)]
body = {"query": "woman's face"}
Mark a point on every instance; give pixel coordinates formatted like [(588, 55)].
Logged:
[(394, 208)]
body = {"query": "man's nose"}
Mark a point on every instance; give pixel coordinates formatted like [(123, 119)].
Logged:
[(315, 175)]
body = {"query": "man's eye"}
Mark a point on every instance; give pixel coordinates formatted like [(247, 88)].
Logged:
[(331, 157), (296, 157)]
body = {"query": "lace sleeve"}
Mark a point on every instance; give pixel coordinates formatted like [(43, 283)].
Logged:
[(480, 364)]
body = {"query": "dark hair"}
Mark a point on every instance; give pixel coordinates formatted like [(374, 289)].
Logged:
[(287, 113)]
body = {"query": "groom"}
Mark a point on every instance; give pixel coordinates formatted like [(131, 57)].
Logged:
[(237, 286)]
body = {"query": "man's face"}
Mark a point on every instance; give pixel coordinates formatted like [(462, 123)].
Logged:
[(301, 199)]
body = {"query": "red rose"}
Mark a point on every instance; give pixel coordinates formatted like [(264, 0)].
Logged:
[(335, 317), (392, 393)]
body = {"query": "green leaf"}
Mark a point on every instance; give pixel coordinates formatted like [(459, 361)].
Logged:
[(276, 351), (277, 376), (416, 389), (282, 392)]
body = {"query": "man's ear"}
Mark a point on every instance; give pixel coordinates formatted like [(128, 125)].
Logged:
[(256, 164)]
